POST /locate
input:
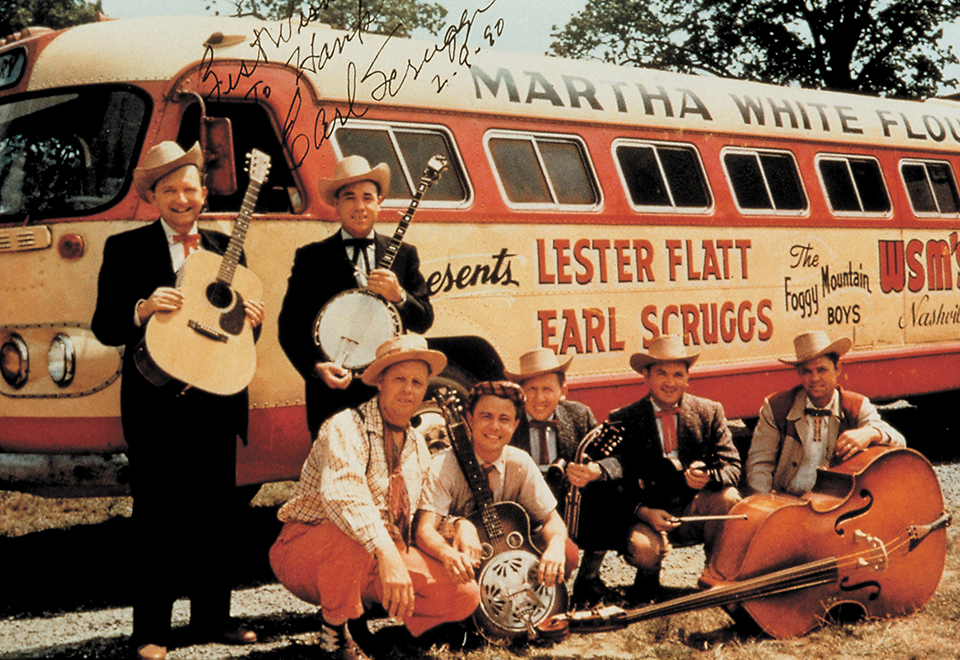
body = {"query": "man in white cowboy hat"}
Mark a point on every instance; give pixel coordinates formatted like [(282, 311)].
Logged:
[(813, 424), (181, 445), (347, 260), (677, 459), (349, 542), (550, 430)]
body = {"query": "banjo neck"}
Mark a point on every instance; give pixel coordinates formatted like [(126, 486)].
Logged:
[(430, 175)]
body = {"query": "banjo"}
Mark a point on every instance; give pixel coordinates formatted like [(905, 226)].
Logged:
[(513, 605), (352, 324)]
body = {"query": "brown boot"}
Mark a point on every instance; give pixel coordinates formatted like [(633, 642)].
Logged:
[(336, 642)]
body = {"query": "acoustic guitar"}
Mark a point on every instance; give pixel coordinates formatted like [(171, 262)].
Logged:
[(513, 605), (208, 342)]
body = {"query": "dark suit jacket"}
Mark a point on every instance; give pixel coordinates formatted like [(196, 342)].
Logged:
[(320, 271), (574, 421), (702, 434), (135, 263)]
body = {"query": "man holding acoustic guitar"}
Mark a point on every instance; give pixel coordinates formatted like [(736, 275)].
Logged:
[(345, 261), (181, 440)]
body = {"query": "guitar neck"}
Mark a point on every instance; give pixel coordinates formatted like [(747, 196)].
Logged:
[(231, 258), (429, 176)]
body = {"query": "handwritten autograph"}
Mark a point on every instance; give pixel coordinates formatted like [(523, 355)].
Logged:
[(382, 81)]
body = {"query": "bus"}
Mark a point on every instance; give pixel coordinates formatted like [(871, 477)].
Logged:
[(586, 208)]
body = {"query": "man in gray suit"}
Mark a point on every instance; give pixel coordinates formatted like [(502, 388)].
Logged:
[(551, 430)]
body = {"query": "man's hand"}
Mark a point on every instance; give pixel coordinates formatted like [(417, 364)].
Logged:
[(335, 376), (854, 441), (696, 476), (658, 519), (163, 299), (550, 569), (254, 310), (398, 598), (580, 474), (384, 283)]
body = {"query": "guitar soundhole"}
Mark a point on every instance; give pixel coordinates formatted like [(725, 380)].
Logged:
[(486, 551), (514, 540), (219, 294)]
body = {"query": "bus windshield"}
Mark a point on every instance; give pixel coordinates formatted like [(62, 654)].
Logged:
[(67, 154)]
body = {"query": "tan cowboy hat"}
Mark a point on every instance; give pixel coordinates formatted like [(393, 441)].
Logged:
[(350, 170), (811, 345), (538, 362), (162, 159), (400, 349), (665, 348)]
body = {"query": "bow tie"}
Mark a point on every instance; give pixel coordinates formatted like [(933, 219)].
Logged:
[(358, 242), (360, 246), (818, 412), (190, 242)]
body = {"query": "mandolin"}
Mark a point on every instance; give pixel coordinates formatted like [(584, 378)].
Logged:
[(208, 343)]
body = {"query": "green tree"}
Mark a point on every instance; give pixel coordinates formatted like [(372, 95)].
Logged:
[(887, 47), (18, 14), (400, 17)]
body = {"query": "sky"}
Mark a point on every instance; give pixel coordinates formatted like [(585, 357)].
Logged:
[(527, 24)]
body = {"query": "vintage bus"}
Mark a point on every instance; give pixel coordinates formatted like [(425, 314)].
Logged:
[(587, 208)]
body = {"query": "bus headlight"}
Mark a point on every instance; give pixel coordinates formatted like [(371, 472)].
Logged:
[(14, 361), (62, 360)]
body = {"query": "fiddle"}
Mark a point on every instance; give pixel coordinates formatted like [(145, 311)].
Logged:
[(870, 536)]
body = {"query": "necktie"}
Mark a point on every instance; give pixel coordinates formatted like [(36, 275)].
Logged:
[(190, 242), (542, 426), (399, 498), (669, 423), (818, 414), (360, 246), (488, 471)]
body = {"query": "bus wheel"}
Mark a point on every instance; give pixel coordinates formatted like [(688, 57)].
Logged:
[(429, 419)]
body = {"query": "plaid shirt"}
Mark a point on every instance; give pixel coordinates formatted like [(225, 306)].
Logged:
[(348, 459)]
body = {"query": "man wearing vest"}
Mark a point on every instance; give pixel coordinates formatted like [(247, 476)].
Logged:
[(814, 424)]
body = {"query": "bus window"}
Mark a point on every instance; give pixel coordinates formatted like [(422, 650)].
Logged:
[(931, 187), (853, 185), (407, 150), (67, 154), (252, 129), (765, 181), (663, 177), (543, 170)]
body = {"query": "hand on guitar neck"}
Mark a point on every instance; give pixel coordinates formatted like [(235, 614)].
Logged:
[(385, 284)]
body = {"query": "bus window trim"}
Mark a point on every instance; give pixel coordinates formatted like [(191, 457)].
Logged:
[(757, 152), (532, 136), (846, 158), (663, 210), (389, 127), (925, 163)]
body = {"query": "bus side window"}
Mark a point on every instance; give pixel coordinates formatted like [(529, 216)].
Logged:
[(543, 170), (931, 187), (406, 150), (663, 176), (853, 185), (252, 129), (764, 180)]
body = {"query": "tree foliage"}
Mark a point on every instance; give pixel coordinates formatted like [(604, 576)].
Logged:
[(398, 17), (889, 47), (15, 15)]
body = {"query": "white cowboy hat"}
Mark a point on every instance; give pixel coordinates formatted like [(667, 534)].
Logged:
[(162, 159), (538, 362), (350, 170), (811, 345), (665, 348), (400, 349)]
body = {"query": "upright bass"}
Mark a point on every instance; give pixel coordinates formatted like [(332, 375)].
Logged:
[(870, 538)]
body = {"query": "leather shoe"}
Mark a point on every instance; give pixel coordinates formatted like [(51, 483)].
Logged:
[(239, 636), (151, 652)]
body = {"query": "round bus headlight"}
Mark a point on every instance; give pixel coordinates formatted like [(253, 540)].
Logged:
[(14, 361), (62, 360)]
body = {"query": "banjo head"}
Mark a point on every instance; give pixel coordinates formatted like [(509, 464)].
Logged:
[(511, 601), (352, 325)]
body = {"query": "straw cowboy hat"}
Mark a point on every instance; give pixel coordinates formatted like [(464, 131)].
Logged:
[(350, 170), (538, 362), (401, 349), (665, 348), (811, 345), (162, 159)]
